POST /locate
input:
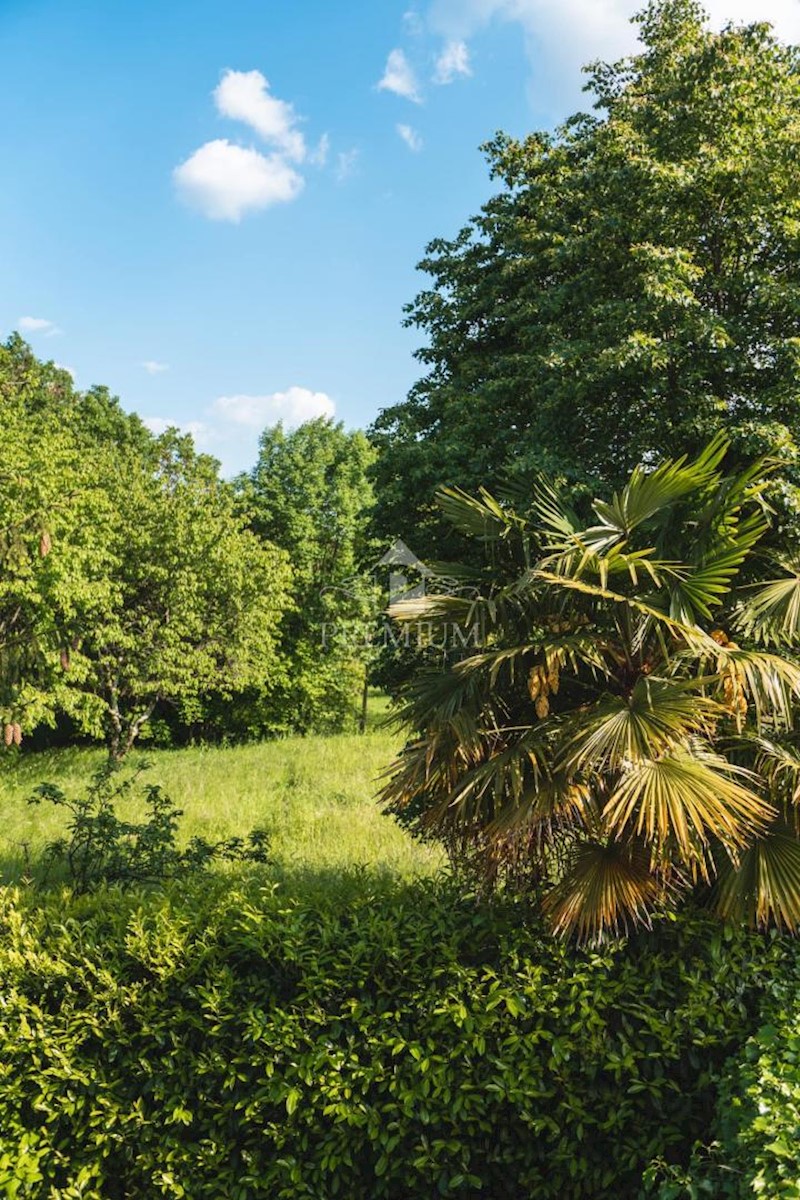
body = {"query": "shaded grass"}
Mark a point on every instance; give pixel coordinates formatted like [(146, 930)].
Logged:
[(315, 796)]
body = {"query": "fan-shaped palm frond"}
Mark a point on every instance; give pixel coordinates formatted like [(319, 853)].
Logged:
[(656, 715), (770, 681), (699, 589), (688, 796), (780, 767), (772, 613), (481, 516), (762, 886), (557, 521), (606, 888), (690, 633), (649, 492), (505, 782), (577, 560)]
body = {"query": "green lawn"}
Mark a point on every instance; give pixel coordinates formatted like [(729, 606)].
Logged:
[(315, 796)]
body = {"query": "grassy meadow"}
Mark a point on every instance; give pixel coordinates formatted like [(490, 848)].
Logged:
[(314, 795)]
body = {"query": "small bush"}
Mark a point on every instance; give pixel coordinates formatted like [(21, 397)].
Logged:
[(386, 1042), (101, 848)]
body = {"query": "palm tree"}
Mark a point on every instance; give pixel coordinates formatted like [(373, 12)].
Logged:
[(624, 734)]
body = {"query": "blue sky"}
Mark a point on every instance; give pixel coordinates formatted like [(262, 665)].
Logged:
[(216, 208)]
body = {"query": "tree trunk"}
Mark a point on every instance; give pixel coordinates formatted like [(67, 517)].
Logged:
[(122, 739), (362, 724)]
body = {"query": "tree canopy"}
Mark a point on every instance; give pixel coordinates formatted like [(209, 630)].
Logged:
[(129, 578), (193, 601), (633, 286), (309, 494)]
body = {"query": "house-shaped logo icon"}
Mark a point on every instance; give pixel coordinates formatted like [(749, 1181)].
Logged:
[(407, 573)]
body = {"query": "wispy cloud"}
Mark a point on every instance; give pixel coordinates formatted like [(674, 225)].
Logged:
[(225, 182), (198, 429), (783, 14), (319, 156), (38, 325), (452, 62), (346, 163), (229, 428), (410, 137), (413, 23), (293, 407), (245, 96), (154, 368), (399, 77)]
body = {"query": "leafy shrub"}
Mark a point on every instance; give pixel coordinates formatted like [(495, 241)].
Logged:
[(756, 1150), (381, 1041), (100, 847)]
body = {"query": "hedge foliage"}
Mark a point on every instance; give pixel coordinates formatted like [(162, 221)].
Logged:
[(756, 1147), (378, 1041), (759, 1115)]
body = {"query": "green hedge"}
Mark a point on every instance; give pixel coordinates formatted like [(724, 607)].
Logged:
[(759, 1115), (389, 1041), (756, 1129)]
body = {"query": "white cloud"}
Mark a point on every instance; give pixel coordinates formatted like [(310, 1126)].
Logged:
[(230, 427), (225, 181), (70, 370), (398, 77), (452, 62), (562, 37), (783, 14), (38, 325), (410, 137), (346, 162), (157, 425), (154, 368), (293, 407), (245, 96), (319, 157)]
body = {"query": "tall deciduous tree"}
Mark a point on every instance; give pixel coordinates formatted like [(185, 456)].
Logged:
[(50, 532), (633, 286), (193, 604), (309, 494)]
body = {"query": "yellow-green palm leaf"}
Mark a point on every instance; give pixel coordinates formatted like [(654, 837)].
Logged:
[(606, 888), (687, 796), (657, 714), (763, 887)]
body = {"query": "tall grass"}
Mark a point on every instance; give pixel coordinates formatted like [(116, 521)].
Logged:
[(314, 795)]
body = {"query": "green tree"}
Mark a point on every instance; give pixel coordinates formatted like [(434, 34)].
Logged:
[(24, 539), (192, 604), (310, 495), (50, 540), (633, 286), (626, 733), (128, 579)]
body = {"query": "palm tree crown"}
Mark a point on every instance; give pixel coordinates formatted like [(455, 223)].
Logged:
[(624, 732)]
